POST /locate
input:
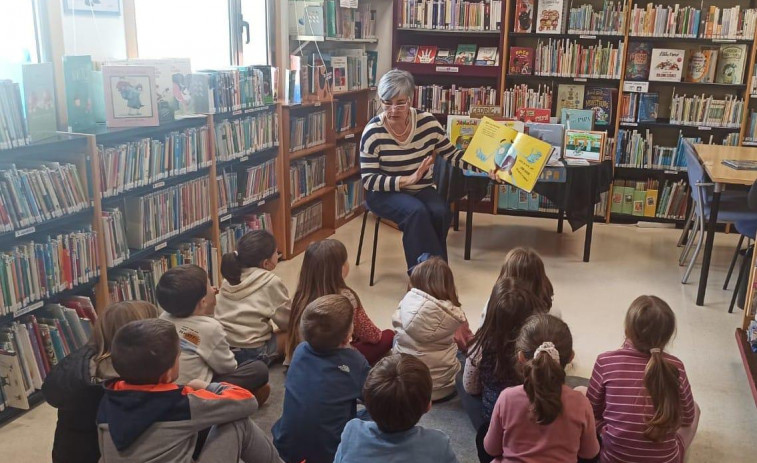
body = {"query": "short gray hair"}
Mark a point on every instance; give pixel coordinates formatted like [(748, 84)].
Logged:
[(396, 83)]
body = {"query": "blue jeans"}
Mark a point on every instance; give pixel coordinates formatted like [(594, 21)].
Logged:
[(265, 353), (423, 217)]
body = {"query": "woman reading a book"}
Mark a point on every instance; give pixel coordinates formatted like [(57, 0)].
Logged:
[(397, 152)]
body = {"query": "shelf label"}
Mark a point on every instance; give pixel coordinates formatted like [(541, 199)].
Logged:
[(155, 186), (317, 104), (261, 203), (244, 159), (629, 124), (349, 135), (118, 261), (225, 218), (447, 69), (237, 112), (583, 36), (704, 127), (724, 40), (25, 231), (162, 245), (579, 79), (671, 172), (28, 308), (636, 87)]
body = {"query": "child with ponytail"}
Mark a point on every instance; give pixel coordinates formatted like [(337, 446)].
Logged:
[(542, 420), (641, 397), (253, 299)]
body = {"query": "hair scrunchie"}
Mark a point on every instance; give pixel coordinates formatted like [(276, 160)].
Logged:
[(655, 350), (549, 349), (236, 254)]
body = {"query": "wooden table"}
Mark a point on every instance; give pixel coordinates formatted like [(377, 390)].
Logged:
[(712, 157)]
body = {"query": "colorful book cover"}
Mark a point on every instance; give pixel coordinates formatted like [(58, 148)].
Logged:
[(637, 64), (639, 196), (599, 100), (407, 54), (293, 80), (650, 203), (129, 97), (339, 69), (584, 144), (521, 60), (554, 134), (569, 96), (666, 64), (550, 16), (12, 380), (426, 54), (460, 131), (731, 63), (466, 54), (702, 65), (627, 206), (577, 119), (519, 157), (165, 91), (533, 114), (618, 189), (524, 16), (39, 100), (487, 56), (648, 107), (78, 81), (445, 56)]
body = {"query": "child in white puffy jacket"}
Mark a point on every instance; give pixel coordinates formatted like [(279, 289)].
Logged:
[(426, 321)]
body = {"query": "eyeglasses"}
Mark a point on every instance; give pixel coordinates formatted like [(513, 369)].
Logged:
[(389, 106)]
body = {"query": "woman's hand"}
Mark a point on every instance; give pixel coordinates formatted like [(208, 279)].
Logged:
[(419, 173), (493, 174)]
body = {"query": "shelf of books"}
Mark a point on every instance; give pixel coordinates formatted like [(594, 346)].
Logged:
[(746, 335)]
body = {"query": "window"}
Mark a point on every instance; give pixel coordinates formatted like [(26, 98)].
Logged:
[(18, 37), (257, 14)]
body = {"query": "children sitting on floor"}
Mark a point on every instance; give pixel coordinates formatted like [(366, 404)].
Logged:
[(188, 298), (426, 321), (254, 304), (640, 395), (397, 393), (324, 382), (146, 416), (542, 420), (324, 269)]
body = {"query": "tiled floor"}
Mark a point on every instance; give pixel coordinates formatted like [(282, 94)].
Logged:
[(626, 261)]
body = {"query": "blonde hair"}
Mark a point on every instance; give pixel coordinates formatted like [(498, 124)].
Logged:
[(114, 317), (524, 264)]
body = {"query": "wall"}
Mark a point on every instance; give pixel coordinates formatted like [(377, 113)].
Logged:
[(101, 35), (384, 32)]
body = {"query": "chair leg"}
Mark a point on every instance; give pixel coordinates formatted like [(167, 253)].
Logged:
[(362, 235), (694, 256), (689, 242), (685, 232), (733, 262), (375, 244), (742, 273)]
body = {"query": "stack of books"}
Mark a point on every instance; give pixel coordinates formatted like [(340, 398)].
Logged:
[(231, 234), (566, 58), (346, 156), (227, 190), (349, 196), (306, 176), (307, 131), (345, 116), (646, 199), (236, 138), (261, 182), (452, 100), (349, 23), (610, 20), (521, 96), (114, 231), (13, 132), (706, 110), (451, 14), (306, 220)]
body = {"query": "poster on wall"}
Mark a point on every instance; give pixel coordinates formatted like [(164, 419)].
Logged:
[(129, 97), (92, 6)]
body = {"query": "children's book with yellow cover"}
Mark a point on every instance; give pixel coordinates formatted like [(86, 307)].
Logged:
[(520, 158)]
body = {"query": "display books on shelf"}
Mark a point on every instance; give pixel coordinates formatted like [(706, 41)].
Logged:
[(533, 114), (306, 18), (569, 96), (129, 97), (165, 93), (293, 81), (584, 145), (445, 56), (339, 70), (554, 134), (487, 56), (520, 157), (37, 90), (551, 16), (521, 60), (666, 64), (648, 107), (78, 82), (524, 16), (637, 62), (407, 54), (466, 54), (321, 78), (577, 119), (702, 64), (600, 100), (731, 64), (426, 54)]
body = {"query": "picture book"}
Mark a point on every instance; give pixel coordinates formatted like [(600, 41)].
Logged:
[(584, 145), (129, 97), (321, 77), (627, 204), (445, 56), (600, 100), (407, 54), (339, 70), (521, 60), (554, 134), (666, 64), (372, 56), (165, 91), (731, 64), (426, 54), (650, 202), (76, 75), (39, 100), (618, 188), (569, 96), (12, 380), (460, 131), (533, 114), (639, 196), (524, 16), (466, 53), (487, 56), (637, 64), (648, 107), (550, 16), (577, 119), (519, 157), (702, 65)]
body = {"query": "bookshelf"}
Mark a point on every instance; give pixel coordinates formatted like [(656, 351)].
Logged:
[(748, 357)]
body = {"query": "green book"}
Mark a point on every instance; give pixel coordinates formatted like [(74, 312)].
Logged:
[(331, 18), (617, 197), (628, 200), (77, 75), (466, 54), (639, 194), (533, 201), (512, 197), (39, 100), (503, 197)]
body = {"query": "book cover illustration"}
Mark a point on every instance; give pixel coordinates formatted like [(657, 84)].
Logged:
[(78, 81), (569, 96), (339, 70), (577, 119), (129, 99), (533, 114), (466, 54), (445, 56), (426, 54), (407, 54), (637, 64), (165, 87), (460, 131), (648, 107), (584, 144), (521, 60), (666, 64), (321, 81), (487, 56), (731, 64), (12, 380), (524, 16), (554, 134), (39, 100), (702, 65), (599, 100), (550, 16)]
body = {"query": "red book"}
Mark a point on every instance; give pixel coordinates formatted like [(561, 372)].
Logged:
[(524, 16), (533, 115), (426, 54), (521, 60)]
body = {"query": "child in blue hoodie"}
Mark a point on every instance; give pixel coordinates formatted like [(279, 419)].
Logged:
[(145, 416)]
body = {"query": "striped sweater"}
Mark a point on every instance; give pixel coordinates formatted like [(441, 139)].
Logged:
[(383, 160), (622, 406)]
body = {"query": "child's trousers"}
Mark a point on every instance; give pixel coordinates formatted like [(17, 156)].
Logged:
[(239, 440)]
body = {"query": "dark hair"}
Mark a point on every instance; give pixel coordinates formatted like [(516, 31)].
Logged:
[(397, 392), (321, 274), (181, 288), (650, 323), (434, 277), (525, 264), (510, 305), (326, 322), (252, 249), (143, 350), (543, 378)]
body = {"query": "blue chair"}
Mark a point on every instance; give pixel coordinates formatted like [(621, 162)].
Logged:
[(733, 209)]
